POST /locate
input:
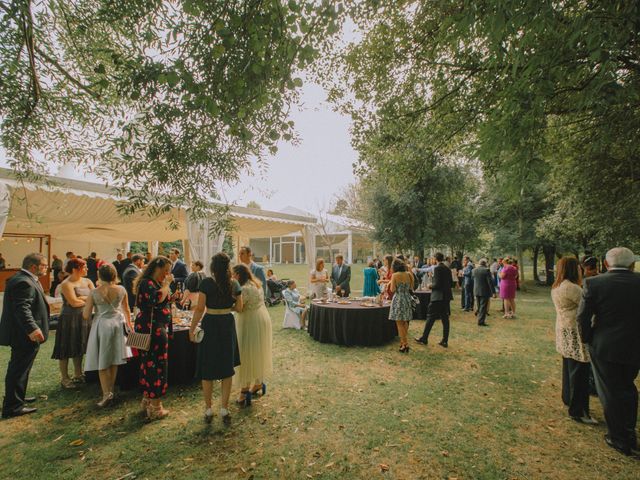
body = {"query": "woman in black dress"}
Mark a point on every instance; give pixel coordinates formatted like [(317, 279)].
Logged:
[(153, 295), (218, 353)]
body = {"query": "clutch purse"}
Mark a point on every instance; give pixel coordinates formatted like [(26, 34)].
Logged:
[(198, 335), (140, 341)]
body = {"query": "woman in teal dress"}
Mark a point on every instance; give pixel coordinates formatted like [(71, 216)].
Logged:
[(371, 288)]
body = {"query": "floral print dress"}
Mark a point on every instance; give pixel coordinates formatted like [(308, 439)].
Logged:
[(154, 316)]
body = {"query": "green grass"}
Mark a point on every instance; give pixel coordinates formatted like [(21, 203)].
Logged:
[(487, 408)]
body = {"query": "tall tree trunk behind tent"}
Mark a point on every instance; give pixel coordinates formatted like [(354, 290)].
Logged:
[(549, 252), (534, 258)]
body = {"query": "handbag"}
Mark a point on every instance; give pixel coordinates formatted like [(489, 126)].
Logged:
[(198, 335), (140, 341), (415, 301)]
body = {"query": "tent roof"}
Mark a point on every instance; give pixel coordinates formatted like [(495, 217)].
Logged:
[(80, 210)]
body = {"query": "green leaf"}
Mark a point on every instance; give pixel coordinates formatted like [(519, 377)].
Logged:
[(274, 135), (297, 82), (172, 79)]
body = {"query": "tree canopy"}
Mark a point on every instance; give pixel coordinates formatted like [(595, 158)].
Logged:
[(165, 100), (543, 95)]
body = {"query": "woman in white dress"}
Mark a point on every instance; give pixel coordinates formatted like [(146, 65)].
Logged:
[(318, 280), (106, 348), (253, 327)]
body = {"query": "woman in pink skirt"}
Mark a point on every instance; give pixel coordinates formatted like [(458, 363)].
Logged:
[(508, 285)]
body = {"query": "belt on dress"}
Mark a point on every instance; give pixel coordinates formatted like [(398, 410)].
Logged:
[(218, 311)]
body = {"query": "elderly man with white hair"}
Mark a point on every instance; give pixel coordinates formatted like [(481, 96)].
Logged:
[(609, 320)]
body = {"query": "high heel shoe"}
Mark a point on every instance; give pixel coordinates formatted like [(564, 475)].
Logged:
[(260, 389), (245, 399), (106, 400), (156, 413)]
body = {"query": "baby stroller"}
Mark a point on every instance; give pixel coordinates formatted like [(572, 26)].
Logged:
[(274, 290)]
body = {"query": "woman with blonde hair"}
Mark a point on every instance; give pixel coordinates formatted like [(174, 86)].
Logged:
[(318, 279), (253, 326), (566, 294)]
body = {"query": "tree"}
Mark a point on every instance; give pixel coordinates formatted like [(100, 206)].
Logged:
[(507, 83), (164, 100), (253, 204), (325, 230)]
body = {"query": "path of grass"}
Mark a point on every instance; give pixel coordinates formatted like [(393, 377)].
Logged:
[(488, 407)]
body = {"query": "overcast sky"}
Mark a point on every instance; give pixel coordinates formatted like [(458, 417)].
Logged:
[(310, 173)]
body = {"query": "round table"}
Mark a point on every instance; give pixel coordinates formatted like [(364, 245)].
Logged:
[(420, 313), (351, 324)]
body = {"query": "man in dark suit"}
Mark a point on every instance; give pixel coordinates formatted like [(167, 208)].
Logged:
[(129, 275), (178, 269), (439, 306), (92, 267), (482, 289), (118, 264), (127, 261), (341, 277), (24, 326), (609, 321)]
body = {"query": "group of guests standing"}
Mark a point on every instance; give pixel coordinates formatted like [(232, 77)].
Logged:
[(598, 333), (504, 277), (95, 321)]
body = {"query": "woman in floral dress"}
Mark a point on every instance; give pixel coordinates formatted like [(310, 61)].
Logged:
[(153, 295), (401, 309)]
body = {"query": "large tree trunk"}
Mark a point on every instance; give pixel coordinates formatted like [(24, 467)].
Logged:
[(549, 252), (534, 258)]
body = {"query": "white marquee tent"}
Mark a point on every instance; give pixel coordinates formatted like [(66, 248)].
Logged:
[(82, 216)]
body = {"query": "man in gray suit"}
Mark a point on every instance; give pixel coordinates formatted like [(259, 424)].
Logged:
[(340, 277), (609, 321), (482, 290)]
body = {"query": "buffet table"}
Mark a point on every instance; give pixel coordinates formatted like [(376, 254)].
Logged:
[(351, 324), (182, 363), (420, 312)]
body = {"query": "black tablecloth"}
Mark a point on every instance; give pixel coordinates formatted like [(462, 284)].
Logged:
[(351, 324), (420, 313), (182, 364), (182, 358)]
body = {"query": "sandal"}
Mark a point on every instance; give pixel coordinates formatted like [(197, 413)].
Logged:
[(106, 400), (156, 413), (259, 389), (245, 398), (67, 384), (80, 379)]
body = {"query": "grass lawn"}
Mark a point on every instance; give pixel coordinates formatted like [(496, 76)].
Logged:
[(488, 407)]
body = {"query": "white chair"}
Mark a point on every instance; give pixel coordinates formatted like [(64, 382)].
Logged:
[(291, 318)]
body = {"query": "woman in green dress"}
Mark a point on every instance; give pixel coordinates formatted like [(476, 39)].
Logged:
[(371, 288)]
